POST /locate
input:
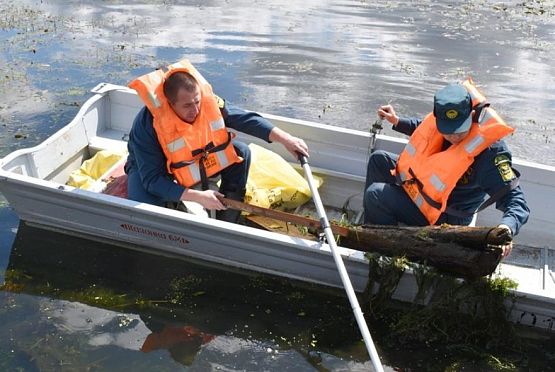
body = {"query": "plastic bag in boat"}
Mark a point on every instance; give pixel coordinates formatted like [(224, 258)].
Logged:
[(92, 169), (274, 183)]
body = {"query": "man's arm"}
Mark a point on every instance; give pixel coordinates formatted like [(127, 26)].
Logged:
[(402, 125), (496, 173), (407, 125), (293, 144), (257, 126), (149, 159)]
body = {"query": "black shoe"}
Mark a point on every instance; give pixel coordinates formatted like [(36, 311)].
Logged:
[(180, 206), (231, 215), (228, 215)]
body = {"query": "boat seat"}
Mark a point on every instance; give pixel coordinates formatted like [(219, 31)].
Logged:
[(114, 140)]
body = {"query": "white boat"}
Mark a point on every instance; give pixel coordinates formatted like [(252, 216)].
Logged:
[(33, 180)]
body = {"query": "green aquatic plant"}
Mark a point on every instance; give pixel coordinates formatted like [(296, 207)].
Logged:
[(13, 280), (295, 296), (343, 221), (184, 288), (461, 312), (385, 273), (426, 278), (467, 320), (100, 297), (18, 281), (303, 230)]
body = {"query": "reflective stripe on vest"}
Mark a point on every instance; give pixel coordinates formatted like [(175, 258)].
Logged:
[(176, 145), (195, 172), (437, 183), (410, 149), (217, 124), (419, 201), (222, 158), (154, 99), (473, 144)]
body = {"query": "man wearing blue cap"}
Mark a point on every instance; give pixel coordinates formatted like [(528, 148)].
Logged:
[(454, 159)]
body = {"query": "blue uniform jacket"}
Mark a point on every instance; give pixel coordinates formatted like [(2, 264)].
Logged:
[(484, 177), (147, 157)]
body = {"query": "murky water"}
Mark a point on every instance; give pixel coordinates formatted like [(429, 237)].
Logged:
[(92, 305), (328, 60)]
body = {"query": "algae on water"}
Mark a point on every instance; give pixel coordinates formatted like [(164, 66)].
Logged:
[(466, 318)]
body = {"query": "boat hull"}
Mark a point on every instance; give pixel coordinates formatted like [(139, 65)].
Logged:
[(33, 182)]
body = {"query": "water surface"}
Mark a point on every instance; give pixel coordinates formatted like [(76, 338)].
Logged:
[(329, 61)]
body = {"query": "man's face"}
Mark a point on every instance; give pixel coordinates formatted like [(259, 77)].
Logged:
[(455, 137), (187, 104)]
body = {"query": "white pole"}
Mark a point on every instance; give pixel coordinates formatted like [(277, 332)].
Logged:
[(341, 267)]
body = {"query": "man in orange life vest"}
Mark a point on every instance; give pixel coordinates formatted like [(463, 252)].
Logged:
[(454, 159), (180, 139)]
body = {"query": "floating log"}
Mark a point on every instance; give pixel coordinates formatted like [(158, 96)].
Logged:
[(461, 250)]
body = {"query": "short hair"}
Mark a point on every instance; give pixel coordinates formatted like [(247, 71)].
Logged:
[(179, 80)]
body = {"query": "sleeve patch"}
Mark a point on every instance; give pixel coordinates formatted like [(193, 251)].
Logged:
[(503, 165), (500, 159), (220, 101)]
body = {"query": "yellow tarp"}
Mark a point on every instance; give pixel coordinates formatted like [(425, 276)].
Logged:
[(93, 168), (274, 183)]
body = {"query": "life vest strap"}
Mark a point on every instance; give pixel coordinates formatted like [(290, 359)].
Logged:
[(201, 154), (205, 150), (426, 197), (182, 163), (478, 111)]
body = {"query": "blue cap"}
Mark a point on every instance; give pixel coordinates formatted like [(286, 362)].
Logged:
[(452, 109)]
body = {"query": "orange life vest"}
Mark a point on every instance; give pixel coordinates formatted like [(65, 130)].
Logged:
[(194, 151), (429, 174)]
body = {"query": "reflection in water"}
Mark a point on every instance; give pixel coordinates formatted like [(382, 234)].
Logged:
[(109, 302)]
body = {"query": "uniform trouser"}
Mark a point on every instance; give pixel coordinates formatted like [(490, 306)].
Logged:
[(234, 179), (386, 203)]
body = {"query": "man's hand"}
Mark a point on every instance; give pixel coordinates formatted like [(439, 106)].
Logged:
[(293, 144), (208, 198), (507, 248), (502, 233), (387, 112)]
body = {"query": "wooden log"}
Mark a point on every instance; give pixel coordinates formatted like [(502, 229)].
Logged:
[(461, 250), (478, 237), (281, 216)]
